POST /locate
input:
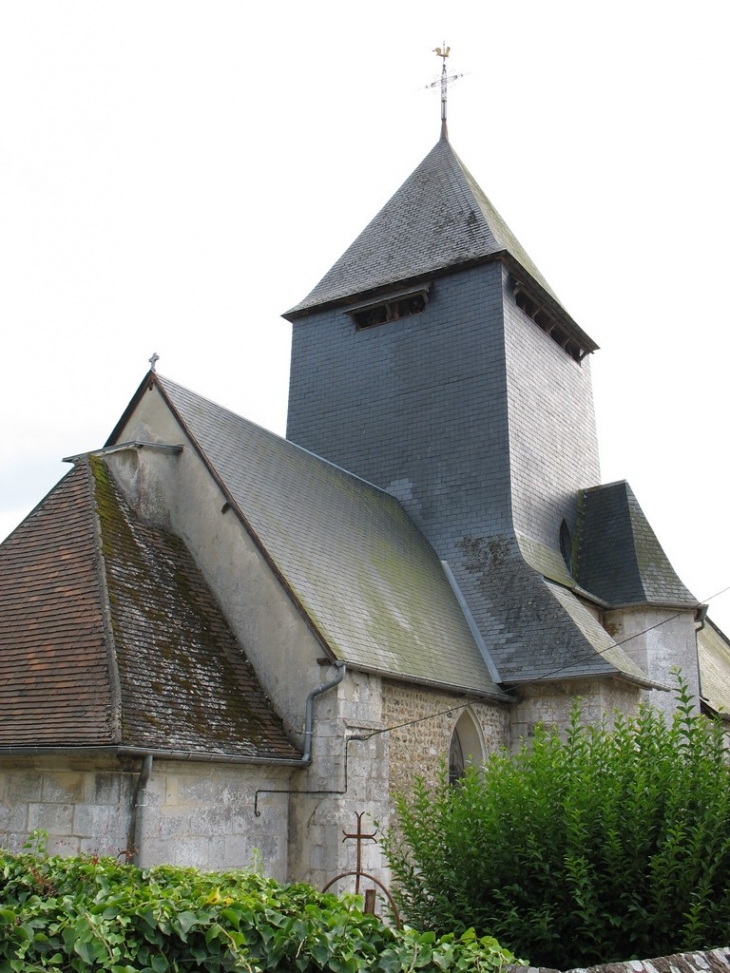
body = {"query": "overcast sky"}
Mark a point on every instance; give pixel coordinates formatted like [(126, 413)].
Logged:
[(174, 175)]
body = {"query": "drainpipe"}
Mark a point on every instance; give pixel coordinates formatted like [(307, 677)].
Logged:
[(309, 709), (700, 616), (138, 803)]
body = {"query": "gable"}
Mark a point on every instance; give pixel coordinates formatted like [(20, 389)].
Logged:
[(111, 636), (358, 568)]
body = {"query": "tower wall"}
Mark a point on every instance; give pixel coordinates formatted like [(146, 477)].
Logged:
[(417, 406), (552, 427), (468, 412)]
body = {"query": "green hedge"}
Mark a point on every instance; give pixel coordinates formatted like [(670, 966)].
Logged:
[(602, 847), (91, 913)]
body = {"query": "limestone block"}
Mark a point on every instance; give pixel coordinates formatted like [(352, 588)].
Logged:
[(56, 819)]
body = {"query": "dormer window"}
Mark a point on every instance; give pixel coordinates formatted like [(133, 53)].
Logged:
[(390, 307)]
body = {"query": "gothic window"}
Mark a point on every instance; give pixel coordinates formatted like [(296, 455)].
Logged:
[(466, 748), (457, 766)]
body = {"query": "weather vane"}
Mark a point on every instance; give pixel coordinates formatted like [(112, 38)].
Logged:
[(445, 80)]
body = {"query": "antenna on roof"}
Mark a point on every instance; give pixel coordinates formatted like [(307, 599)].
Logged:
[(153, 361), (445, 80)]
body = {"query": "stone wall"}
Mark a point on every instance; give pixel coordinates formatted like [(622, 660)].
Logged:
[(202, 814), (550, 703), (706, 961), (417, 749), (83, 804), (658, 640), (199, 814)]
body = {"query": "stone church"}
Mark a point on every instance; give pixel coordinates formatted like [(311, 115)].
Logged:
[(217, 645)]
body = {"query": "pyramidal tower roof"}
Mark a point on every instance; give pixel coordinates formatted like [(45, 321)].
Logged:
[(438, 219)]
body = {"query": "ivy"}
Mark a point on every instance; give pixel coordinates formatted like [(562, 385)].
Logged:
[(89, 913)]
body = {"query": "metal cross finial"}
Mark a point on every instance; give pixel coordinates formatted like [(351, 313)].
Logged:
[(444, 81), (153, 361)]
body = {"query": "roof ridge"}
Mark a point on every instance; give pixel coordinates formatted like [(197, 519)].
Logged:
[(89, 463)]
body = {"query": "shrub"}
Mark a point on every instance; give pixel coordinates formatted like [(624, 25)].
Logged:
[(88, 914), (603, 847)]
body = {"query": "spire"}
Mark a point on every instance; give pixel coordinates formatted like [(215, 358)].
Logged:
[(438, 219)]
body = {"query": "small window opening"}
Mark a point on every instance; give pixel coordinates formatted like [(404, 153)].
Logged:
[(566, 546), (391, 308)]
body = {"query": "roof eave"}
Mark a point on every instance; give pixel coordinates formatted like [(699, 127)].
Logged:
[(498, 696), (504, 256), (565, 676), (202, 756)]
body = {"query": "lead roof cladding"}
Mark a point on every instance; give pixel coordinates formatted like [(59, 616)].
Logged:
[(111, 636), (367, 579), (439, 219)]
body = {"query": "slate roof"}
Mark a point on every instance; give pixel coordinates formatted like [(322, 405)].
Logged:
[(361, 571), (439, 219), (619, 558), (537, 629), (110, 636)]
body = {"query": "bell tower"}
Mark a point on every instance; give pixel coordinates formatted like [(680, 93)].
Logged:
[(435, 361)]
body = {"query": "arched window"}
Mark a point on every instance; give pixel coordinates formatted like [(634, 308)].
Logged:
[(467, 746)]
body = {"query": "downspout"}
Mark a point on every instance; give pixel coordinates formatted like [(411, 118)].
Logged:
[(309, 709), (137, 816), (700, 616)]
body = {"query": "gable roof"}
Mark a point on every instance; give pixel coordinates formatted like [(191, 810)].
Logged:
[(370, 584), (619, 558), (111, 636), (440, 218)]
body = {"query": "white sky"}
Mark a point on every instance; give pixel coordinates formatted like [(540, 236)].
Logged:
[(174, 175)]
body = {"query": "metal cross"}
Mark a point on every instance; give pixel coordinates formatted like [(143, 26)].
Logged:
[(445, 80), (359, 836)]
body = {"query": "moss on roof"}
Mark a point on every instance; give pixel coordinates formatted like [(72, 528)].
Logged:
[(185, 681)]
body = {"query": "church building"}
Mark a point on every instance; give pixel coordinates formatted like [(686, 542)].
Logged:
[(218, 646)]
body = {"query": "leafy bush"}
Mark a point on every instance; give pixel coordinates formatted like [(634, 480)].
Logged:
[(605, 847), (87, 914)]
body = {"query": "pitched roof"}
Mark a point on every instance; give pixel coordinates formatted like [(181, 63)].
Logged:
[(537, 629), (439, 219), (110, 636), (362, 572), (619, 558), (54, 653)]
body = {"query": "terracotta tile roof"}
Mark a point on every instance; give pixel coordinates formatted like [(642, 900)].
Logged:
[(54, 655), (167, 662)]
